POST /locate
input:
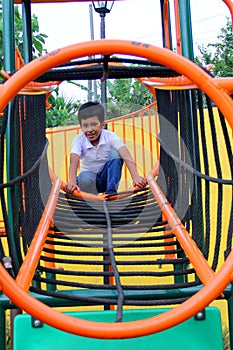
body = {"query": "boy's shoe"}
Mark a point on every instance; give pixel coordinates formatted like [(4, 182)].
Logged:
[(110, 194)]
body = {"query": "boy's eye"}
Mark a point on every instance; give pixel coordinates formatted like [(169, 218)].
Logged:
[(92, 125)]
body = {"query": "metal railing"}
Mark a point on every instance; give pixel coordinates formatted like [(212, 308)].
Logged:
[(139, 131)]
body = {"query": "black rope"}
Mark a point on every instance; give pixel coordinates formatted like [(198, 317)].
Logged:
[(191, 169), (96, 72), (219, 197), (94, 300), (126, 60), (22, 177), (128, 287), (120, 298), (230, 160), (128, 256), (206, 169), (157, 262)]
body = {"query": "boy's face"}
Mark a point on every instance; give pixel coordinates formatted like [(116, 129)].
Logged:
[(92, 128)]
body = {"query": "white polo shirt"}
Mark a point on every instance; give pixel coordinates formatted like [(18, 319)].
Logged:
[(93, 158)]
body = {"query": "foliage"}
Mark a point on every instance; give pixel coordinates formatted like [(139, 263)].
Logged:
[(220, 54), (63, 111), (126, 96), (38, 39)]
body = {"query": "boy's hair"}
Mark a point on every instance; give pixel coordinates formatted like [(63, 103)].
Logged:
[(91, 109)]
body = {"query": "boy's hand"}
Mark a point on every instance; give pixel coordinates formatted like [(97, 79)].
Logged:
[(139, 181), (70, 187)]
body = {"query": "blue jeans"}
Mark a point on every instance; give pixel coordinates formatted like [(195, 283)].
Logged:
[(107, 180)]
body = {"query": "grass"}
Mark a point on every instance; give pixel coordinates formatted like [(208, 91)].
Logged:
[(226, 339)]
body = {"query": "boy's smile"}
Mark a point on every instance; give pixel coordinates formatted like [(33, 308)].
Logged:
[(92, 129)]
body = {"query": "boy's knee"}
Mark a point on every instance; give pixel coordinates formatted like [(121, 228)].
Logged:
[(85, 178), (87, 182), (114, 154)]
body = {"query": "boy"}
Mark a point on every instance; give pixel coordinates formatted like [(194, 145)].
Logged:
[(101, 153)]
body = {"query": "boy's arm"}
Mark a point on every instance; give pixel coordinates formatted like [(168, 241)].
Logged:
[(71, 185), (126, 156)]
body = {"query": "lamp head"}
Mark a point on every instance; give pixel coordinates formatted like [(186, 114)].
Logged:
[(103, 7)]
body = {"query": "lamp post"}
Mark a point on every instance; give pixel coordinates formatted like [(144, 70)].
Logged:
[(103, 7)]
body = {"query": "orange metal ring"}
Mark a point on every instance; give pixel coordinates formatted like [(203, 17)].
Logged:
[(89, 196), (122, 330), (214, 286), (108, 47)]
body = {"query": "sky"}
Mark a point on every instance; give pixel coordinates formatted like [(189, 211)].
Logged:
[(69, 23)]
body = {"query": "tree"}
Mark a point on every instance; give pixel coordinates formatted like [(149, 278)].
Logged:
[(63, 110), (38, 39), (126, 96), (220, 54)]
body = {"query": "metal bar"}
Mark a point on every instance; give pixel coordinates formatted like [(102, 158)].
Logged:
[(186, 29), (197, 259), (8, 35), (30, 262), (27, 30)]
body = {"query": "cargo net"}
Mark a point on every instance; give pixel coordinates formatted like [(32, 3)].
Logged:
[(24, 159), (124, 252), (112, 252), (198, 169)]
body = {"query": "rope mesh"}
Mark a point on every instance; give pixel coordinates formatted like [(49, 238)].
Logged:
[(105, 254), (122, 252), (206, 160), (24, 121)]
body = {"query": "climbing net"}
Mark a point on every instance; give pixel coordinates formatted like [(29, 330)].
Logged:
[(139, 249)]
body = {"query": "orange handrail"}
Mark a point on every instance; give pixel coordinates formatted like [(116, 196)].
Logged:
[(177, 62), (182, 82), (95, 197), (50, 255), (76, 193), (112, 125), (195, 256), (65, 131), (150, 140), (142, 143), (124, 138), (225, 83), (32, 257)]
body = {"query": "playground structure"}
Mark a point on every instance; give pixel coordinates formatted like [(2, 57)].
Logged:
[(144, 249)]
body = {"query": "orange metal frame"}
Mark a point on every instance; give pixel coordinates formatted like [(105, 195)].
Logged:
[(112, 125), (183, 82), (163, 56), (215, 284), (28, 267), (229, 4), (166, 24), (200, 265), (90, 196), (177, 27)]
